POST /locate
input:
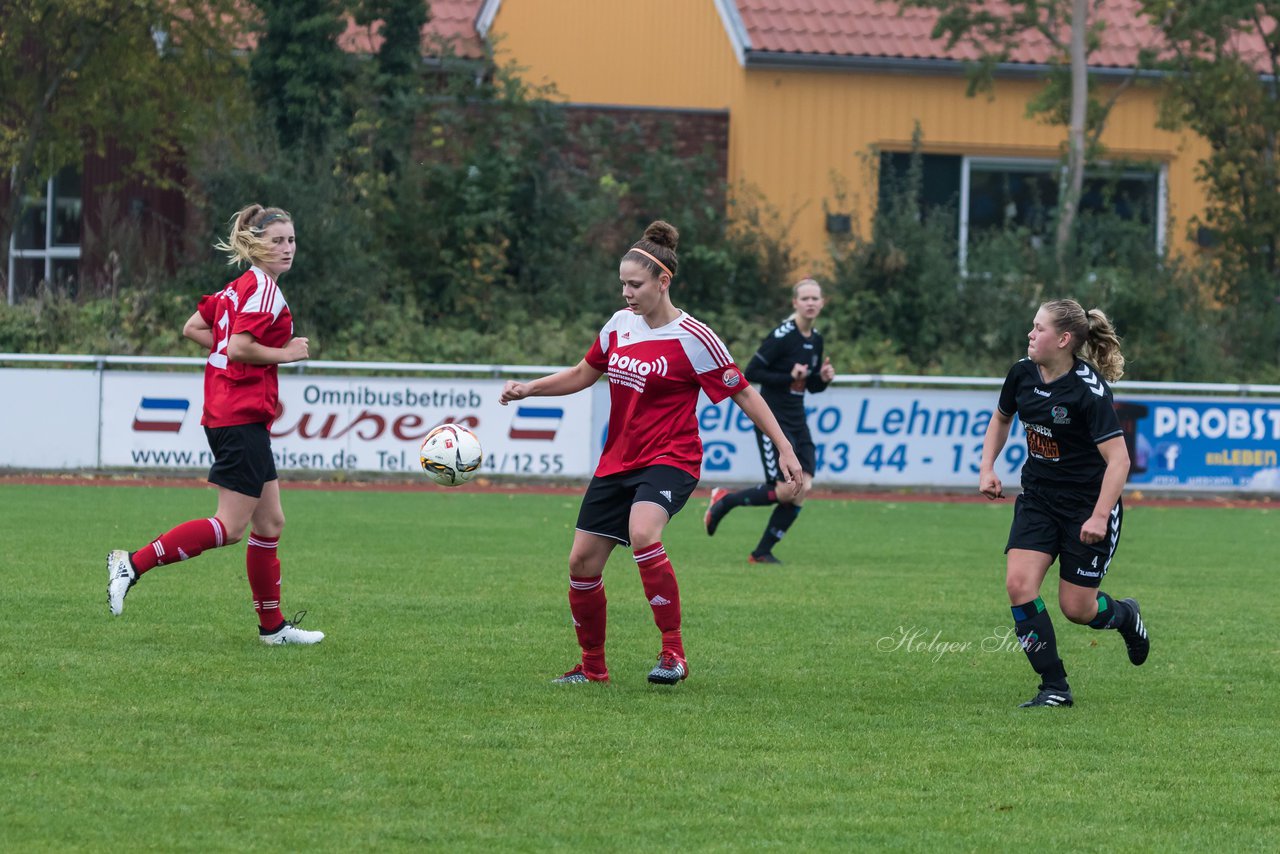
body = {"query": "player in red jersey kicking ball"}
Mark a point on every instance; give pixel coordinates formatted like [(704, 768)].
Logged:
[(248, 331), (657, 358)]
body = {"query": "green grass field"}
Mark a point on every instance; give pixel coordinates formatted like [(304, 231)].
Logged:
[(425, 721)]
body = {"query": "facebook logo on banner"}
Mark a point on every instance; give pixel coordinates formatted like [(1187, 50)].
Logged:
[(160, 414), (536, 422)]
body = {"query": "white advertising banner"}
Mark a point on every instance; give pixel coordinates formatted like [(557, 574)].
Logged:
[(49, 418), (372, 424), (70, 419), (870, 436)]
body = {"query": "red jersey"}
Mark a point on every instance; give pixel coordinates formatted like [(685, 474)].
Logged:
[(654, 379), (236, 393)]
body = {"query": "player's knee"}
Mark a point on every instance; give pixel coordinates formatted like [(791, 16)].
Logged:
[(270, 527), (583, 565), (1020, 589), (1079, 612)]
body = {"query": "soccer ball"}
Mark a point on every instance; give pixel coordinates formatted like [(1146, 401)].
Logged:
[(451, 455)]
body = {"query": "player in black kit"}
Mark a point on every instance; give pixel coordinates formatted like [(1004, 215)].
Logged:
[(1070, 506), (789, 363)]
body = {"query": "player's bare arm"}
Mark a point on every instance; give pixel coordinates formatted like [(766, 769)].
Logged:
[(1116, 455), (568, 381), (992, 444), (244, 348), (198, 331), (750, 402)]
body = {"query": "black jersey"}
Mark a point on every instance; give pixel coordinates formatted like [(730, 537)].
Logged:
[(770, 367), (1065, 421)]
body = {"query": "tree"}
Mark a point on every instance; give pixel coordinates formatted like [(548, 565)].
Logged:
[(299, 73), (76, 75), (1225, 85), (1072, 33)]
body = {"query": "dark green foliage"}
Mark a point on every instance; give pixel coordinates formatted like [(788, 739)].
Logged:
[(298, 72)]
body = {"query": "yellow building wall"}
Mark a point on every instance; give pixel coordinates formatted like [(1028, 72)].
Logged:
[(795, 130), (795, 133), (661, 53)]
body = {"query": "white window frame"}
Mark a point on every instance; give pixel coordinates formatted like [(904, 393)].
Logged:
[(51, 252), (1030, 164)]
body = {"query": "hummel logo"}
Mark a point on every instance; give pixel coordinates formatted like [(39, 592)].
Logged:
[(659, 600), (666, 493), (1042, 393)]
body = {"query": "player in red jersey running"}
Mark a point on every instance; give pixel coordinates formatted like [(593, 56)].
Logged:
[(657, 358), (248, 331)]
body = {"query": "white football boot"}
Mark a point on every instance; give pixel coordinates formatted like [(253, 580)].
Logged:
[(290, 633), (120, 577)]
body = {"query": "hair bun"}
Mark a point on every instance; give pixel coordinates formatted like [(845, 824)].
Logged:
[(662, 233)]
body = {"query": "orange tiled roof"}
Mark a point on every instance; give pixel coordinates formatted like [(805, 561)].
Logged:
[(876, 29), (452, 21)]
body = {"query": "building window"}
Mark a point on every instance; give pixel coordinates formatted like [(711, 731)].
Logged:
[(45, 244), (996, 193)]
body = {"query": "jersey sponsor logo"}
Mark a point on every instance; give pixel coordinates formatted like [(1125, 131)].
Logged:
[(160, 414), (539, 423), (1091, 380), (1041, 392), (1059, 414), (1040, 442), (632, 372), (730, 378)]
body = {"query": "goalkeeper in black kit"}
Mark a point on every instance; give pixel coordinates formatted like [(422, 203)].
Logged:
[(788, 363)]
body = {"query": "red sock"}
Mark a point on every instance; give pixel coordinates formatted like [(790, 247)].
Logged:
[(185, 541), (264, 579), (588, 605), (659, 580)]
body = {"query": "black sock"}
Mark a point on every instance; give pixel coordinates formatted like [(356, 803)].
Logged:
[(1112, 613), (753, 496), (1035, 633), (780, 520)]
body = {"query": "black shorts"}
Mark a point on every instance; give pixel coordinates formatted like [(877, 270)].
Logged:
[(242, 460), (801, 442), (606, 507), (1050, 522)]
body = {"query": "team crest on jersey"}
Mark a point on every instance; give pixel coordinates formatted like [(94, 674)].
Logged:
[(1059, 414), (730, 378)]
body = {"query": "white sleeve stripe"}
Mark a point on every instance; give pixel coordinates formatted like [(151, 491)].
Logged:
[(709, 340), (269, 298), (265, 297)]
